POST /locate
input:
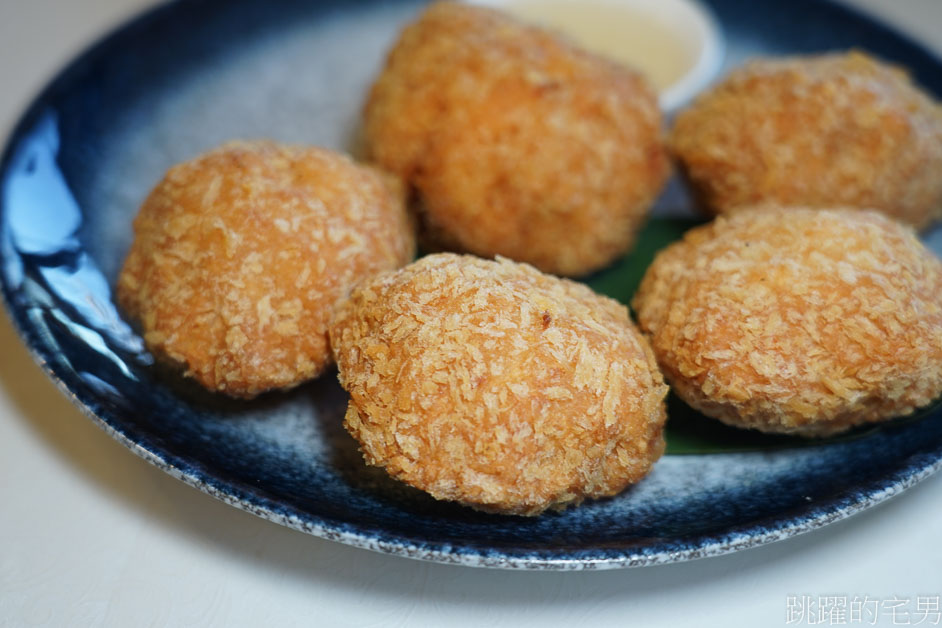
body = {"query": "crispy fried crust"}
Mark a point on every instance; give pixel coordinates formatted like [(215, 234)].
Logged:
[(797, 321), (240, 254), (518, 143), (496, 386), (826, 131)]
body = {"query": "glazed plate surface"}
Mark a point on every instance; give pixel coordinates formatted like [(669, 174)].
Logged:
[(191, 75)]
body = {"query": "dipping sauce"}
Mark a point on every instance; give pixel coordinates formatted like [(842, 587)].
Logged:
[(676, 44), (633, 34)]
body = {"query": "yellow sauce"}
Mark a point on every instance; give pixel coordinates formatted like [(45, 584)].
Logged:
[(627, 34)]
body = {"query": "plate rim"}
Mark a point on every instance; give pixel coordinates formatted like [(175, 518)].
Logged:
[(908, 474)]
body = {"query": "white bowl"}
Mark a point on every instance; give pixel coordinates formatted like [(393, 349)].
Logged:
[(676, 43)]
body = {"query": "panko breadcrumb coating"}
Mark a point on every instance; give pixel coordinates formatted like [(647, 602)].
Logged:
[(494, 385), (240, 254), (797, 321), (518, 143), (821, 131)]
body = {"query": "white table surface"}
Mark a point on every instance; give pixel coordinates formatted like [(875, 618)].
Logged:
[(90, 535)]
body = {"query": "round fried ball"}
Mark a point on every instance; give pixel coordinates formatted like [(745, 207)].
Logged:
[(821, 131), (518, 143), (797, 321), (494, 385), (240, 254)]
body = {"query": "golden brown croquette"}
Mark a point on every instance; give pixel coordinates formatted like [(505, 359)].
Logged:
[(835, 130), (494, 385), (240, 254), (797, 321), (518, 143)]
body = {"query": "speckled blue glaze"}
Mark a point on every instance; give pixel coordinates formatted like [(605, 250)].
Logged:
[(190, 75)]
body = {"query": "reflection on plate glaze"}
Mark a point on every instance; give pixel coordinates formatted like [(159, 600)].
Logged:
[(53, 271)]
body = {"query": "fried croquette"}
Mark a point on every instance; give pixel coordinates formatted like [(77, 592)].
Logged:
[(491, 384), (240, 254), (835, 130), (797, 321), (516, 142)]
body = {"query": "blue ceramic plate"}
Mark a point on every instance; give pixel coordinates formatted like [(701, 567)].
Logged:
[(190, 75)]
